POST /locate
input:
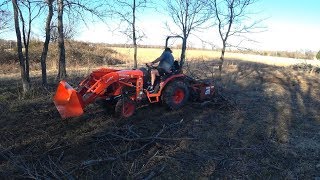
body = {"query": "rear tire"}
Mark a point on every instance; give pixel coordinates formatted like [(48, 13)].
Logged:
[(176, 95), (125, 108)]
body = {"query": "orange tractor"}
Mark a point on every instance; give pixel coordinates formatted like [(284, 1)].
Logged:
[(125, 90)]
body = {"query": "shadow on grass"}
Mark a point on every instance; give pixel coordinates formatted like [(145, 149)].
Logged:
[(265, 126)]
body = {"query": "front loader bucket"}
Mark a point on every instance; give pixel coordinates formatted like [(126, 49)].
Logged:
[(67, 101)]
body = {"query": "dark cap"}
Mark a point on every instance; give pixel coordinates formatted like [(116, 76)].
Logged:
[(168, 49)]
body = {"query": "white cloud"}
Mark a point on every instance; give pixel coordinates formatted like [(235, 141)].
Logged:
[(289, 37), (278, 36)]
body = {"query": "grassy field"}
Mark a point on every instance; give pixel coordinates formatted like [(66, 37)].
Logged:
[(81, 56), (264, 123), (149, 54)]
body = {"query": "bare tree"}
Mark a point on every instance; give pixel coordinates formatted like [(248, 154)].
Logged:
[(25, 82), (187, 15), (231, 16), (134, 38), (46, 43), (126, 11), (5, 20), (69, 31), (76, 12), (32, 10), (62, 71), (75, 9)]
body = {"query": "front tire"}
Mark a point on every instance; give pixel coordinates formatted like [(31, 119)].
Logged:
[(125, 108), (176, 95)]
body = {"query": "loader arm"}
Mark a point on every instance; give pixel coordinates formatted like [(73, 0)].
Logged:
[(70, 102), (99, 87)]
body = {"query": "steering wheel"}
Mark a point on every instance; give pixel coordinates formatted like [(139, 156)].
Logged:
[(151, 67)]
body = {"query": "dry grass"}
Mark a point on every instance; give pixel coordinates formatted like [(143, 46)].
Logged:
[(263, 124), (78, 55), (266, 126)]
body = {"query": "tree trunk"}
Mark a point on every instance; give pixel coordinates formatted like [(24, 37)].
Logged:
[(134, 38), (62, 61), (46, 44), (28, 43), (24, 78), (25, 40), (183, 51), (222, 56), (135, 65), (26, 48)]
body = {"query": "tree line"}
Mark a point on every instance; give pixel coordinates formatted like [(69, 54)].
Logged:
[(229, 17)]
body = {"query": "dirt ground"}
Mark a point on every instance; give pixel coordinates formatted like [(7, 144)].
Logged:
[(263, 123)]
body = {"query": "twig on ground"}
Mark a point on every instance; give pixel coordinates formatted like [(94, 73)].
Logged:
[(150, 140), (130, 130), (96, 161), (99, 160), (154, 173)]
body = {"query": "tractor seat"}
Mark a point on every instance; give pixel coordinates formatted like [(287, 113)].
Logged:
[(175, 69)]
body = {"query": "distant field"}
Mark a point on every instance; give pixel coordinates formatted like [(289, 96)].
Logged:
[(149, 54), (82, 56)]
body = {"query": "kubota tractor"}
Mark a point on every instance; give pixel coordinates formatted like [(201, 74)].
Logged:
[(125, 90)]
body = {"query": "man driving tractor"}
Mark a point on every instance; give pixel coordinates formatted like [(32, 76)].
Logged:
[(166, 62), (123, 90)]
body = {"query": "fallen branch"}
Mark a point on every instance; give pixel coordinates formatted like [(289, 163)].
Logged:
[(118, 156), (97, 161), (149, 138), (130, 130), (230, 102), (154, 173)]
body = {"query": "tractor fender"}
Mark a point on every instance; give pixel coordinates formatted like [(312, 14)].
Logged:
[(176, 77)]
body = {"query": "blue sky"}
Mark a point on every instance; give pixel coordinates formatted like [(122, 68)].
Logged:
[(291, 25), (292, 11)]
